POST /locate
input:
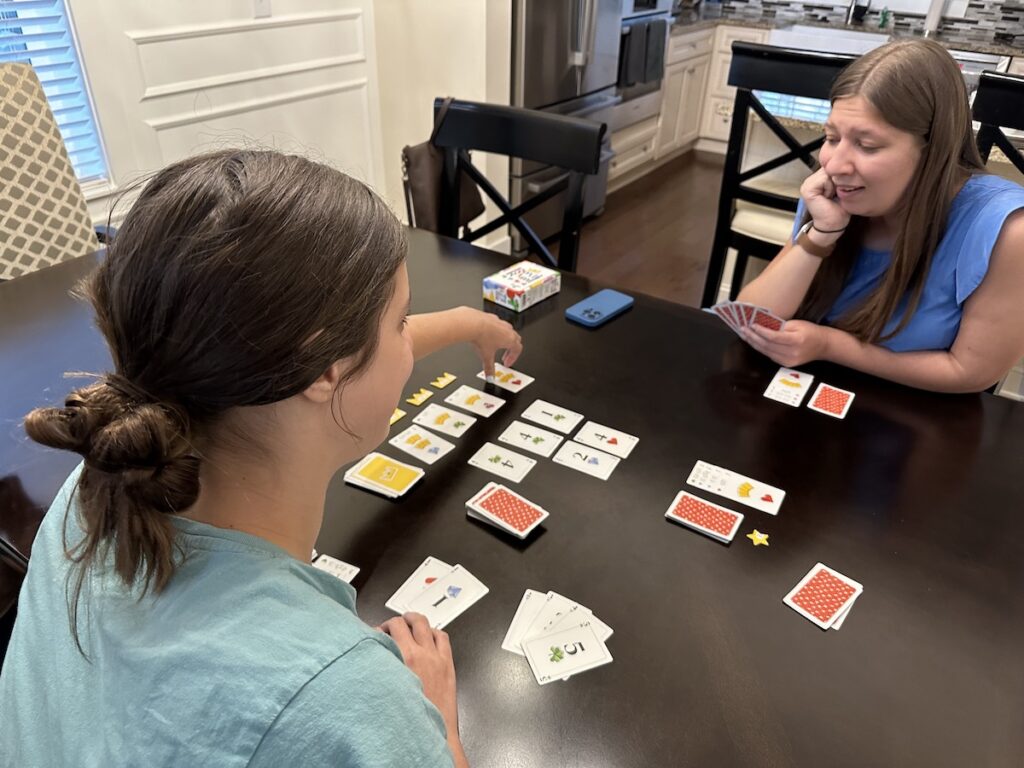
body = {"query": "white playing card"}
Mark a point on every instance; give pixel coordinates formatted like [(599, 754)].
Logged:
[(531, 438), (502, 462), (578, 614), (789, 386), (508, 378), (585, 459), (429, 571), (554, 608), (448, 597), (823, 595), (527, 611), (549, 415), (735, 486), (607, 439), (841, 616), (421, 443), (337, 568), (444, 420), (565, 653), (474, 401)]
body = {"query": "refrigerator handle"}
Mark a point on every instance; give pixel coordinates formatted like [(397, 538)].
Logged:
[(586, 28)]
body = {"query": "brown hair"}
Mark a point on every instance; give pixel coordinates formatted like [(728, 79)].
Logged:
[(917, 87), (237, 279)]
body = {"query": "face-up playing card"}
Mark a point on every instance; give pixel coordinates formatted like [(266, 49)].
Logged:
[(549, 415), (530, 438), (577, 614), (789, 387), (507, 510), (429, 571), (823, 595), (710, 519), (382, 474), (565, 653), (422, 444), (736, 487), (831, 400), (607, 439), (527, 611), (474, 401), (444, 420), (337, 568), (502, 462), (585, 459), (448, 597), (554, 608), (509, 379)]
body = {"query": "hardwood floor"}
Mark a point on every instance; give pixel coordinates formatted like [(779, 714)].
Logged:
[(655, 234)]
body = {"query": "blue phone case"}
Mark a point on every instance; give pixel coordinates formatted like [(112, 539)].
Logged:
[(599, 308)]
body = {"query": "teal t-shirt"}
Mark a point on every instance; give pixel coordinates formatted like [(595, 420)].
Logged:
[(247, 658)]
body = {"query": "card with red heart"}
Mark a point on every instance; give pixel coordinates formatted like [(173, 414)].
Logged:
[(831, 401), (607, 439), (736, 487), (509, 379), (710, 519), (823, 595)]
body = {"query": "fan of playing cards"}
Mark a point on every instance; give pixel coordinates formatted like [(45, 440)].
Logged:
[(558, 637), (738, 314)]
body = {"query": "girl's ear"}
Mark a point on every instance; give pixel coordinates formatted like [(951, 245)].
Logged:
[(322, 390)]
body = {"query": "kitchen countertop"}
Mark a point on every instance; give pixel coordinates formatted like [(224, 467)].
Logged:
[(710, 17)]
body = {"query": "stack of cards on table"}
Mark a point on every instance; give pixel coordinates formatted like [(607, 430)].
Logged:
[(710, 519), (738, 315), (381, 474), (439, 591), (560, 638), (824, 596), (506, 510)]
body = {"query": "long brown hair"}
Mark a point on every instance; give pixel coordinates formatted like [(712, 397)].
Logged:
[(917, 87), (237, 279)]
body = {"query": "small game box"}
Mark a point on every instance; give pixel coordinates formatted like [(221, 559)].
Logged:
[(522, 285)]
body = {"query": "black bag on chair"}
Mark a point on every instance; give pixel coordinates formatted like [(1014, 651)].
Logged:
[(422, 171)]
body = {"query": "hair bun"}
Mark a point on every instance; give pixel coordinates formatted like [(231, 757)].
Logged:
[(143, 447)]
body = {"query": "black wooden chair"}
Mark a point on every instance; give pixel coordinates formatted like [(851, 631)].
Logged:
[(999, 104), (567, 142), (758, 67)]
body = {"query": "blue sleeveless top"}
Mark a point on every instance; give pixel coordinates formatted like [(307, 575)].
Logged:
[(959, 265)]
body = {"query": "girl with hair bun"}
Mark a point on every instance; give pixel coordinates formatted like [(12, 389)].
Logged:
[(906, 259), (256, 306)]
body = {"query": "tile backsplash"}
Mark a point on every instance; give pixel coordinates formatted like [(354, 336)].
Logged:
[(985, 21)]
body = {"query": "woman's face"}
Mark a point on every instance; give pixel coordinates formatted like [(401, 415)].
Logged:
[(870, 162), (368, 401)]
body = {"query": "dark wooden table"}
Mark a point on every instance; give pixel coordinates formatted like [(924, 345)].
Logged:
[(914, 495)]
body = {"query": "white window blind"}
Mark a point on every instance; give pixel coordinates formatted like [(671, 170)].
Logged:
[(799, 107), (38, 32)]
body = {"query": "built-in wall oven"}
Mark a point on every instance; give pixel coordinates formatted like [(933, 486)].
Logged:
[(565, 60), (643, 38)]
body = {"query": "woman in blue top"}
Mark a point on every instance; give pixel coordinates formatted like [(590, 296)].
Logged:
[(256, 309), (906, 259)]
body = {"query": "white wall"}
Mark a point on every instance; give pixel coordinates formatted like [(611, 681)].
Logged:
[(170, 79), (431, 48)]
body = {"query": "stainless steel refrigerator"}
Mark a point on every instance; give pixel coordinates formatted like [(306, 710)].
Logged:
[(565, 60)]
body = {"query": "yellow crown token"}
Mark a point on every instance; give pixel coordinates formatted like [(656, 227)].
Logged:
[(398, 413), (420, 397), (744, 490), (444, 380)]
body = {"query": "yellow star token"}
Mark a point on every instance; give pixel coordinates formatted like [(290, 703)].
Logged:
[(758, 538)]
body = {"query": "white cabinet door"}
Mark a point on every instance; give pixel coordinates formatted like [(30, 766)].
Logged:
[(1017, 66), (672, 89), (694, 88)]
